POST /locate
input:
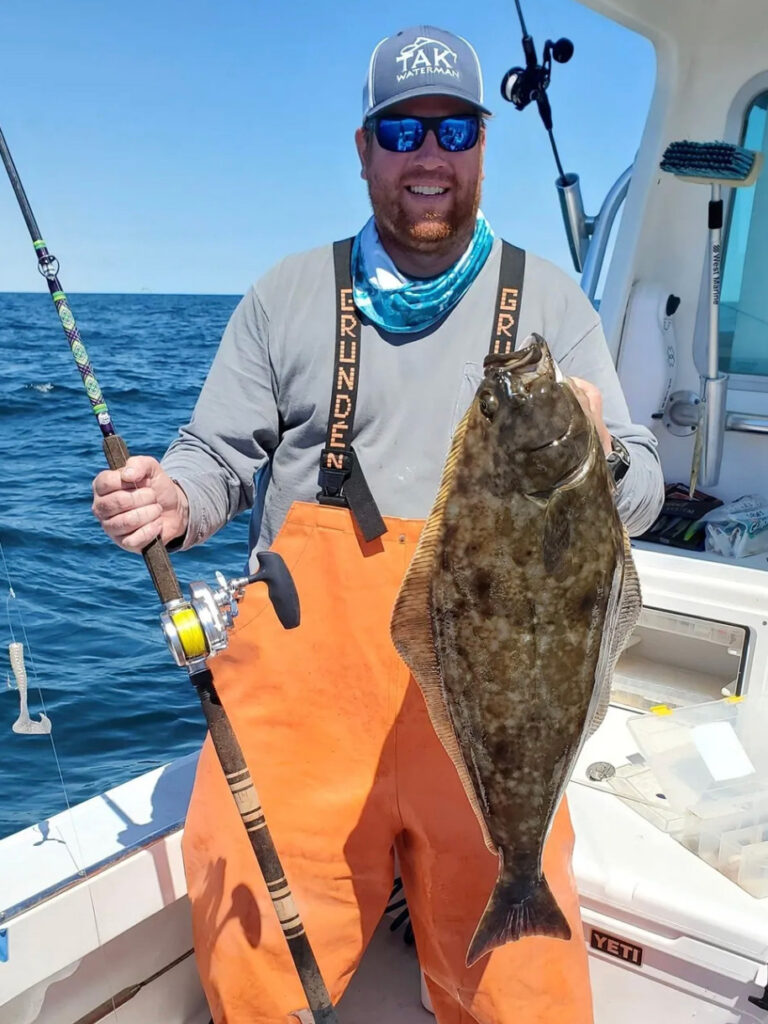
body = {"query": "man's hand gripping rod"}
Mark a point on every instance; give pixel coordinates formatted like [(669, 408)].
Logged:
[(197, 629)]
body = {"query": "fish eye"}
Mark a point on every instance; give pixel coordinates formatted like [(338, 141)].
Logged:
[(489, 404)]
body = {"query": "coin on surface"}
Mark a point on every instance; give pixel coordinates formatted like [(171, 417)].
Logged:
[(599, 771)]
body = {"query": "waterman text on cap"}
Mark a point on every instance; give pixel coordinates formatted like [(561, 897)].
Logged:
[(422, 61)]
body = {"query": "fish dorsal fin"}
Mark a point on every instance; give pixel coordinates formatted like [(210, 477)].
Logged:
[(412, 630), (624, 607)]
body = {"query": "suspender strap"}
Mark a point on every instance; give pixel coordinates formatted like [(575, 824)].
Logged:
[(508, 299), (341, 478)]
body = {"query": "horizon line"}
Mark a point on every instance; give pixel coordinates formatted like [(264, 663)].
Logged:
[(22, 291)]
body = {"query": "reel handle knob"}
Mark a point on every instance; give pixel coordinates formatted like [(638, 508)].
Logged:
[(280, 586), (562, 50)]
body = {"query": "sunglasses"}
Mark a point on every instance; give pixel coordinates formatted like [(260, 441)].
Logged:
[(456, 133)]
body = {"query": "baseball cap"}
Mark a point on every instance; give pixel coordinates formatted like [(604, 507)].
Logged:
[(422, 61)]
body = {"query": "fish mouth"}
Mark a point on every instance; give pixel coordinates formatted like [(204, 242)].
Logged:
[(520, 361), (518, 369)]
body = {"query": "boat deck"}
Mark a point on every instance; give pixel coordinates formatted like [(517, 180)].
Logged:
[(387, 987)]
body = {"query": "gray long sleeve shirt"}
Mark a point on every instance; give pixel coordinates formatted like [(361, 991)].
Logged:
[(261, 419)]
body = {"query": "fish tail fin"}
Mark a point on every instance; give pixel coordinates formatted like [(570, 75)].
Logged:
[(514, 911)]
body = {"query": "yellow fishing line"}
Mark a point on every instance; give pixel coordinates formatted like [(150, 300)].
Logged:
[(190, 632)]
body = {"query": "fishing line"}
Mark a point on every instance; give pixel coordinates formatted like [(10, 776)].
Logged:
[(78, 858), (11, 593)]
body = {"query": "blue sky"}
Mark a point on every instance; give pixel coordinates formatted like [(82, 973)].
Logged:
[(186, 146)]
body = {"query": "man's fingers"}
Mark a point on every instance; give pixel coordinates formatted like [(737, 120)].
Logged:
[(140, 538), (590, 399), (588, 392), (124, 525), (107, 481), (579, 386), (113, 503), (588, 396), (137, 503), (139, 468)]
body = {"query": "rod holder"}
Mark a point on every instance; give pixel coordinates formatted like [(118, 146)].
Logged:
[(681, 416), (705, 415), (578, 227), (714, 392), (681, 413)]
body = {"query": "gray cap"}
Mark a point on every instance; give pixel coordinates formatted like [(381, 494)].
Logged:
[(422, 61)]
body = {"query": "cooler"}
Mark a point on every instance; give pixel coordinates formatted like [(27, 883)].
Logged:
[(670, 938)]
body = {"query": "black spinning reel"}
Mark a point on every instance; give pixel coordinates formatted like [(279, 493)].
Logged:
[(523, 85)]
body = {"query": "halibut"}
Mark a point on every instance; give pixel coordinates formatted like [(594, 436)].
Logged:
[(520, 597)]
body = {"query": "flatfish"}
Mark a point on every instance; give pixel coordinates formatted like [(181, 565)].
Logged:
[(517, 603)]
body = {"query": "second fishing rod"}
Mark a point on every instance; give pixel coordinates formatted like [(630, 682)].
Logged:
[(196, 629)]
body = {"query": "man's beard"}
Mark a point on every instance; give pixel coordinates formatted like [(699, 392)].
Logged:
[(433, 232)]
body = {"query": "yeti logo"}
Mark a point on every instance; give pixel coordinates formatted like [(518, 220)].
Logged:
[(426, 57)]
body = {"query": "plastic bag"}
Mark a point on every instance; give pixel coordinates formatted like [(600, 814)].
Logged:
[(738, 528)]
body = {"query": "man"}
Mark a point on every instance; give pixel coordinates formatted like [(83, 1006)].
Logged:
[(334, 729)]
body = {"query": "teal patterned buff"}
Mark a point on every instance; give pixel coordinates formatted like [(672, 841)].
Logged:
[(408, 304)]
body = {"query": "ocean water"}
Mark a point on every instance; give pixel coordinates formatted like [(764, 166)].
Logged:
[(85, 610)]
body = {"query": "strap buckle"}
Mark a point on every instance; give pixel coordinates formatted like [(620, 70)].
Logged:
[(346, 488), (332, 478)]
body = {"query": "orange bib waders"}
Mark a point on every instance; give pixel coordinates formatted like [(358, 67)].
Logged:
[(348, 767)]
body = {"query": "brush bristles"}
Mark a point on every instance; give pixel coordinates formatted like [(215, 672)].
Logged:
[(717, 160)]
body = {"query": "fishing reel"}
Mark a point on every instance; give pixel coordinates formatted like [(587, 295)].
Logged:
[(522, 85), (199, 628)]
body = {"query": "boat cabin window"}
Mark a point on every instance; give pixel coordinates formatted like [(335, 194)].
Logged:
[(679, 660), (744, 296)]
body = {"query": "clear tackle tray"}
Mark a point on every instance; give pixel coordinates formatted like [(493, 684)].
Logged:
[(705, 781)]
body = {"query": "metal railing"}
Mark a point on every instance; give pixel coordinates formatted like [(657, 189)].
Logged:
[(588, 241)]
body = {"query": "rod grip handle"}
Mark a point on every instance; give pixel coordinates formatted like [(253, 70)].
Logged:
[(155, 556)]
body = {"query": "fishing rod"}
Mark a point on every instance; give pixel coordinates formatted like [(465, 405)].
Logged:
[(521, 86), (197, 629), (524, 85)]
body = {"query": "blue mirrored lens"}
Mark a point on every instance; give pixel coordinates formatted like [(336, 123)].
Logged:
[(457, 133), (400, 134)]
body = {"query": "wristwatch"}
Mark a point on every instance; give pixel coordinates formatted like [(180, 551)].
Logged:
[(617, 459)]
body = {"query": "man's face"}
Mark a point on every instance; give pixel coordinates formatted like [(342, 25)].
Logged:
[(429, 224)]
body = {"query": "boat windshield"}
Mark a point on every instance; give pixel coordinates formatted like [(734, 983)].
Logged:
[(744, 298)]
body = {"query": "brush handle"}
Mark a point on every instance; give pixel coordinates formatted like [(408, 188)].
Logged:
[(715, 274)]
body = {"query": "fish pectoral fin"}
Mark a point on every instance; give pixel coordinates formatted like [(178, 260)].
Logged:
[(517, 908), (556, 536)]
